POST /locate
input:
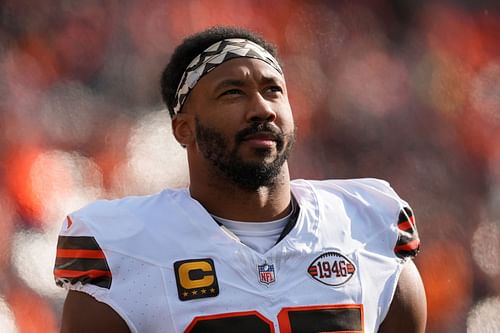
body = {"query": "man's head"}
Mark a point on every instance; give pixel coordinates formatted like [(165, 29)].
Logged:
[(193, 46), (228, 100)]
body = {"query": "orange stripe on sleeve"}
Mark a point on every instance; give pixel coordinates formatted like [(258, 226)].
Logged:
[(77, 253), (413, 245), (406, 225), (93, 273)]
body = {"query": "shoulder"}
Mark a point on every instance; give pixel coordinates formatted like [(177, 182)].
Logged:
[(377, 214), (95, 242), (94, 237), (117, 218), (370, 193), (109, 209), (354, 187)]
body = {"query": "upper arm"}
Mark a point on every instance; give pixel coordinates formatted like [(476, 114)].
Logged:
[(408, 310), (82, 314)]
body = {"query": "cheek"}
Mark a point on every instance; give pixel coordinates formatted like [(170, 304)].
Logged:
[(219, 128), (227, 123), (223, 113), (287, 120)]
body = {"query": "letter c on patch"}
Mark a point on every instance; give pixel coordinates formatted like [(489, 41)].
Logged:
[(203, 268)]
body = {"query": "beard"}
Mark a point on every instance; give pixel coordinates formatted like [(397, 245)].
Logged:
[(246, 174)]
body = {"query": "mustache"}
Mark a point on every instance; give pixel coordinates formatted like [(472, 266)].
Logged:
[(258, 128)]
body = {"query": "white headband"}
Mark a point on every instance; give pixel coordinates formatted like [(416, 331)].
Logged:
[(215, 55)]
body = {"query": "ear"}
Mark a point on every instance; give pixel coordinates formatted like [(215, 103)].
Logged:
[(183, 128)]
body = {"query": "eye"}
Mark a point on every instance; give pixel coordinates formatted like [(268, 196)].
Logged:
[(274, 89), (232, 92)]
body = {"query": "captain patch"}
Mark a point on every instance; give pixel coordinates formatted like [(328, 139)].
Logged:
[(196, 279)]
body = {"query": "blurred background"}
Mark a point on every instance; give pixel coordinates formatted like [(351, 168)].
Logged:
[(408, 91)]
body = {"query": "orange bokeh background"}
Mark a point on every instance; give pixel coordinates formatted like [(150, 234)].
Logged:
[(404, 91)]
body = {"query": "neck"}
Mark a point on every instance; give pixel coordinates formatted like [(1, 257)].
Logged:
[(227, 200)]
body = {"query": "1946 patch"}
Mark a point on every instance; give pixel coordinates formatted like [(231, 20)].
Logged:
[(332, 268)]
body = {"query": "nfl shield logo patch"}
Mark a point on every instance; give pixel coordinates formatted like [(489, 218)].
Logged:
[(266, 273)]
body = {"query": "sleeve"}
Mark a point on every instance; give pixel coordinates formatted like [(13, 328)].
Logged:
[(80, 262), (398, 214), (408, 241)]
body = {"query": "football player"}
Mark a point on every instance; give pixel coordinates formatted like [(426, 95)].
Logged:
[(243, 248)]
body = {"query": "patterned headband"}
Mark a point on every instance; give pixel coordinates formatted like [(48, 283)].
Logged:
[(215, 55)]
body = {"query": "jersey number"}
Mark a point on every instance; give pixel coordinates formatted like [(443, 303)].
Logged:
[(306, 319)]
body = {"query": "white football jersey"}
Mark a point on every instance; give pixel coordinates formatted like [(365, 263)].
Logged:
[(164, 265)]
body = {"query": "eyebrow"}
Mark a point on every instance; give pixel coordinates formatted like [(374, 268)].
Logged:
[(229, 83), (241, 83)]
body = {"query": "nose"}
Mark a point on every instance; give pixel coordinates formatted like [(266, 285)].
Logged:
[(260, 109)]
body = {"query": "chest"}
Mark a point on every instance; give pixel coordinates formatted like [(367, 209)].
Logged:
[(317, 279), (264, 291), (298, 288)]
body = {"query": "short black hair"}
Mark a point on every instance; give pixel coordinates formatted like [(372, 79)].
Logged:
[(191, 47)]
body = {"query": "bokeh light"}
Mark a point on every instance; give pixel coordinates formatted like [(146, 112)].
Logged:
[(63, 181), (484, 316), (33, 257), (154, 159), (486, 248), (7, 322)]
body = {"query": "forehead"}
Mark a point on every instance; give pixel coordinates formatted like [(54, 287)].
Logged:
[(241, 69)]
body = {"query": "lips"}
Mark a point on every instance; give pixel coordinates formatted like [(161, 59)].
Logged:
[(261, 140), (261, 136)]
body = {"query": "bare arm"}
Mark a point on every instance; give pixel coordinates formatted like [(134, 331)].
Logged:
[(82, 314), (408, 311)]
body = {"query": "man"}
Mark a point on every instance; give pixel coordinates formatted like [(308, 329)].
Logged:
[(243, 249)]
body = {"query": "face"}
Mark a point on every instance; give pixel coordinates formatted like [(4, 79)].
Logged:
[(243, 122)]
